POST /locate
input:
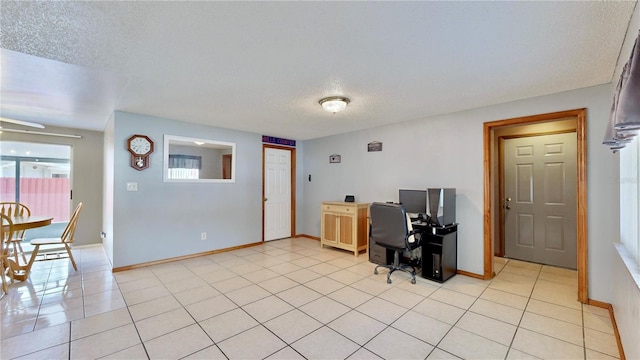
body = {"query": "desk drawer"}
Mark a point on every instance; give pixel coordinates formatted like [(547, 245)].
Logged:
[(339, 209)]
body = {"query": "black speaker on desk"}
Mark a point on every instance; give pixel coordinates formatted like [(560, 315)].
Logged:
[(440, 253)]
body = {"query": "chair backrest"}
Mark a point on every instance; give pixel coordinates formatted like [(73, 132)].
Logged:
[(70, 230), (13, 209), (6, 232), (388, 225)]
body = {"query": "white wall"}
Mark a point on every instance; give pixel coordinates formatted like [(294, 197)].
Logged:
[(447, 151)]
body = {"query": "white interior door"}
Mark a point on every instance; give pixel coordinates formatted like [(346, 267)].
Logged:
[(540, 177), (277, 194)]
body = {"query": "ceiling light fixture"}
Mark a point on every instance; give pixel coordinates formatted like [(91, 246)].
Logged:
[(21, 122), (334, 104)]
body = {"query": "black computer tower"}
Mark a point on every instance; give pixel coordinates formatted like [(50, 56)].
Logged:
[(439, 253), (379, 255)]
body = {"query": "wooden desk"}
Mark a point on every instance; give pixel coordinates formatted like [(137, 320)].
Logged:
[(21, 272)]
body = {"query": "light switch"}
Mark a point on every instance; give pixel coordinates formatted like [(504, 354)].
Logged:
[(132, 186)]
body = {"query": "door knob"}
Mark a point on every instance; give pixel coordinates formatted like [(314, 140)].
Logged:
[(508, 207), (265, 199), (507, 201)]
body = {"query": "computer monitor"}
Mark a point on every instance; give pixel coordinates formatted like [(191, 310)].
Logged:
[(414, 201)]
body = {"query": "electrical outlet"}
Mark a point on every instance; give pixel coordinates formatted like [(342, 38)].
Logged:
[(203, 236), (132, 186)]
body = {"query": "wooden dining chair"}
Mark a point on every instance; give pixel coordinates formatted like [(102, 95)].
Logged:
[(6, 235), (65, 239), (13, 209)]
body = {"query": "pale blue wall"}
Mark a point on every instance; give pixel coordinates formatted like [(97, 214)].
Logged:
[(447, 151), (164, 220)]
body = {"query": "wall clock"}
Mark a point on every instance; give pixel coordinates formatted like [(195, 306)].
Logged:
[(140, 147)]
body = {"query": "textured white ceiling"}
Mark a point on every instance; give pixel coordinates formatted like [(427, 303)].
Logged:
[(263, 66)]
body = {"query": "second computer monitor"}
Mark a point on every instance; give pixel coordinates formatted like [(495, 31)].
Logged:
[(414, 201)]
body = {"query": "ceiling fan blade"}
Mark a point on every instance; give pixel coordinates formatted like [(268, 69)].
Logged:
[(20, 122)]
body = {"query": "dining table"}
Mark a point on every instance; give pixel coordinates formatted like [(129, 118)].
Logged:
[(21, 271)]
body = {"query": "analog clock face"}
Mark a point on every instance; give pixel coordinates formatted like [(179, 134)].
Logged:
[(140, 146)]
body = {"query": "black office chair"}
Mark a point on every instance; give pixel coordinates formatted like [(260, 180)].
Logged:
[(390, 229)]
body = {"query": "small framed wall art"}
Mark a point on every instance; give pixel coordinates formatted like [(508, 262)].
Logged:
[(334, 159), (374, 146)]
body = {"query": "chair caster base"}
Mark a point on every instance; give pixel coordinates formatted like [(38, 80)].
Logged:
[(375, 272), (413, 281), (388, 281)]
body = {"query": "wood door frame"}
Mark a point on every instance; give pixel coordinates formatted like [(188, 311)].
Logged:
[(226, 173), (581, 189), (292, 187)]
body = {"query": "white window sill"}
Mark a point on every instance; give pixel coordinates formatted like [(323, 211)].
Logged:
[(632, 266)]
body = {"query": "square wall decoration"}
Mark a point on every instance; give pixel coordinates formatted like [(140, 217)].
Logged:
[(374, 146)]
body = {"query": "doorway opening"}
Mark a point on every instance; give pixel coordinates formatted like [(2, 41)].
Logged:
[(278, 192), (492, 202)]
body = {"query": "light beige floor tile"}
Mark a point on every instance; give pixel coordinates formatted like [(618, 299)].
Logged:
[(55, 352), (233, 261), (566, 280), (298, 296), (601, 342), (267, 308), (140, 284), (471, 346), (324, 268), (277, 284), (387, 346), (325, 343), (345, 276), (513, 283), (545, 347), (103, 306), (17, 328), (47, 320), (218, 275), (555, 328), (324, 285), (363, 354), (492, 329), (466, 285), (34, 341), (505, 298), (246, 268), (164, 323), (422, 327), (497, 311), (421, 287), (303, 275), (110, 295), (287, 353), (210, 353), (440, 311), (595, 310), (594, 355), (524, 264), (556, 293), (324, 309), (357, 326), (178, 344), (132, 275), (136, 352), (153, 307), (554, 311), (454, 298), (285, 268), (99, 323), (211, 307), (552, 270), (61, 306), (232, 284), (438, 354), (522, 271), (598, 322), (401, 297), (350, 297), (258, 277), (519, 355), (104, 343), (293, 325), (263, 343), (226, 325), (382, 310), (375, 285), (139, 296), (181, 285), (197, 294), (306, 262), (247, 294)]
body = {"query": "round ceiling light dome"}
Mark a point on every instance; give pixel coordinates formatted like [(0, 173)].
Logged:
[(334, 104)]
